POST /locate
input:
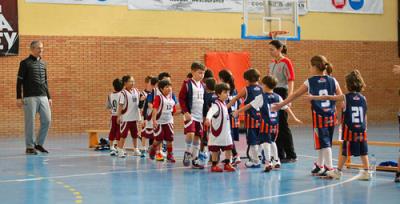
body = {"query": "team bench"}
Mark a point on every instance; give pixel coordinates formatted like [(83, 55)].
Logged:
[(370, 143)]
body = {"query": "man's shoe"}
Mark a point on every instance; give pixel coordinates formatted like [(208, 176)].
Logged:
[(31, 151), (41, 149)]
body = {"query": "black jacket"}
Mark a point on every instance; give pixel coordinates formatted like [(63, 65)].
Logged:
[(32, 78)]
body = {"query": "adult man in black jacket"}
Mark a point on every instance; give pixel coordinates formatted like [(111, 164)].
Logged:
[(33, 95)]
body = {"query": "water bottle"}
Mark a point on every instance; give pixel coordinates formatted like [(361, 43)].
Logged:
[(372, 165)]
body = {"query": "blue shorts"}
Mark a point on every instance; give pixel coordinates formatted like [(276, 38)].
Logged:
[(356, 149), (323, 137), (252, 136), (268, 138), (235, 134)]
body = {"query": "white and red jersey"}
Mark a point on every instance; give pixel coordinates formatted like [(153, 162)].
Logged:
[(197, 100), (112, 102), (220, 134), (165, 106), (129, 99)]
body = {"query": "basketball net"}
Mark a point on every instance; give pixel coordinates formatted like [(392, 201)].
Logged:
[(277, 35)]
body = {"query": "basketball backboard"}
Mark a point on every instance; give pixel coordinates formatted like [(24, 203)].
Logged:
[(260, 17)]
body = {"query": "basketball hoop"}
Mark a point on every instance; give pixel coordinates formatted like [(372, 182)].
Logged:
[(275, 35)]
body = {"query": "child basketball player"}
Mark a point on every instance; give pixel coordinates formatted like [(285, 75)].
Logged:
[(323, 112), (354, 124), (147, 129), (209, 98), (252, 117), (220, 138), (163, 109), (227, 77), (112, 105), (130, 103), (269, 121), (191, 101)]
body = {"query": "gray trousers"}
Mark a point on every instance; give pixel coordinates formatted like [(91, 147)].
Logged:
[(33, 105)]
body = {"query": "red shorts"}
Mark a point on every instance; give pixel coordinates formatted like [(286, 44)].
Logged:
[(129, 126), (147, 133), (164, 132), (115, 133), (195, 127), (220, 148)]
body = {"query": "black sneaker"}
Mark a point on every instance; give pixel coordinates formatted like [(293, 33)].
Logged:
[(186, 158), (397, 179), (31, 151), (323, 173), (316, 170), (41, 149), (196, 165)]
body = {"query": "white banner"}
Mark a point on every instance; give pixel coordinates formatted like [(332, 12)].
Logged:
[(96, 2), (346, 6), (197, 5)]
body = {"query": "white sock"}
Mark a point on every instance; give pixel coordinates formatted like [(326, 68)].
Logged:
[(267, 152), (195, 150), (327, 154), (188, 146), (254, 153), (320, 159), (274, 151)]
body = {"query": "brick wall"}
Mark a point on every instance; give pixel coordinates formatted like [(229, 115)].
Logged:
[(81, 70)]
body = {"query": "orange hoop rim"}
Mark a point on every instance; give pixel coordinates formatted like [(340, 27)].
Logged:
[(275, 33)]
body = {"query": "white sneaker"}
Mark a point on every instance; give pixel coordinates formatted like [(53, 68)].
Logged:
[(276, 164), (113, 151), (335, 174), (364, 176), (250, 164), (121, 153), (136, 152), (236, 160)]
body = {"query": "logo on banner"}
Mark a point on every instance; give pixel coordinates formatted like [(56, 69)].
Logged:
[(339, 4), (356, 4), (8, 28)]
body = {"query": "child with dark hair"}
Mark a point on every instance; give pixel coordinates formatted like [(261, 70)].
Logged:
[(130, 103), (163, 121), (227, 77), (112, 105), (156, 91), (252, 117), (209, 98), (220, 137), (191, 100), (354, 124), (269, 127), (147, 128), (164, 75), (208, 74), (323, 112)]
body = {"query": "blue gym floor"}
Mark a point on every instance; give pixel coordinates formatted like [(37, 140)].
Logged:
[(71, 173)]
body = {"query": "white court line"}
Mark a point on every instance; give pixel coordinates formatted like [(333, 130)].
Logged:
[(53, 156), (88, 174), (293, 193), (313, 157), (89, 154)]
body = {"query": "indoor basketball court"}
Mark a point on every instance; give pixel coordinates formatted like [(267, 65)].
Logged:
[(81, 76)]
